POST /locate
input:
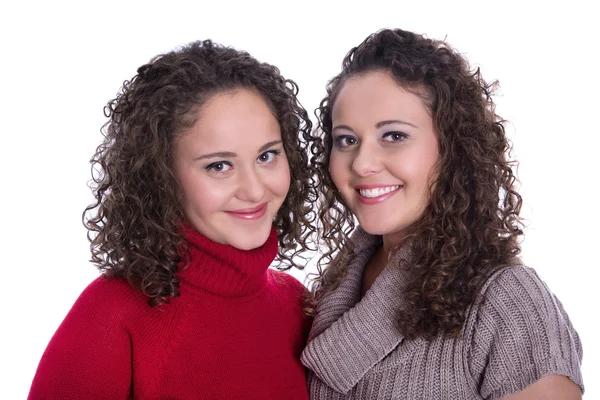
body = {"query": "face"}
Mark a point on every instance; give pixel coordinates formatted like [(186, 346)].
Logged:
[(233, 170), (384, 153)]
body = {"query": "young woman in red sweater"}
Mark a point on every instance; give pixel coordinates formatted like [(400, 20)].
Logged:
[(203, 178)]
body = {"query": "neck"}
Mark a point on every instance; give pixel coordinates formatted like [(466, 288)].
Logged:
[(373, 269), (391, 243)]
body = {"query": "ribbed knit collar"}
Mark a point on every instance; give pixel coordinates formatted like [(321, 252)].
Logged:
[(223, 269), (350, 335)]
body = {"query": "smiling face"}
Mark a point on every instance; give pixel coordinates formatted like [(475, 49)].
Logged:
[(384, 153), (232, 169)]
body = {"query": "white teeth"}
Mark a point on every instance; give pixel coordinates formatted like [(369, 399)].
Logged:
[(370, 193)]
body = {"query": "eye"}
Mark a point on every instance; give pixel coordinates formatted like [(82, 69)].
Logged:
[(268, 156), (394, 137), (219, 167), (345, 141)]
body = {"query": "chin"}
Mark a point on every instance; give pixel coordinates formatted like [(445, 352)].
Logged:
[(249, 240), (249, 245), (372, 230), (375, 227)]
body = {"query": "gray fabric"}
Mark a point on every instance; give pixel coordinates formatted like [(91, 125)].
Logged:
[(519, 334)]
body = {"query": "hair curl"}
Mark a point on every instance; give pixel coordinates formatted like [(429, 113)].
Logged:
[(471, 226), (134, 223)]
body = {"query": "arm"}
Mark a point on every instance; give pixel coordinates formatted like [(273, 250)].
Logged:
[(553, 387), (522, 342), (89, 356)]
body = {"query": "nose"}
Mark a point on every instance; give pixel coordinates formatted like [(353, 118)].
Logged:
[(251, 187), (366, 161)]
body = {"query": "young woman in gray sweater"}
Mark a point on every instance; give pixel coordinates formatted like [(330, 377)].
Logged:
[(427, 298)]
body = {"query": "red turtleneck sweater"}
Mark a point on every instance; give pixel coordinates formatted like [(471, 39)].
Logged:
[(235, 332)]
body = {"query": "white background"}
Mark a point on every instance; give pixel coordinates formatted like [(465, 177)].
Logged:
[(60, 63)]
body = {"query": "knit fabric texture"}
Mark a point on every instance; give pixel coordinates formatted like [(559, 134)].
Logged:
[(235, 332), (517, 335)]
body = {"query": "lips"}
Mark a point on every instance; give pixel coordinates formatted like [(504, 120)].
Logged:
[(374, 194), (249, 213)]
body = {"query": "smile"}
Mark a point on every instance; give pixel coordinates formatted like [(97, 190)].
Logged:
[(377, 194), (249, 213)]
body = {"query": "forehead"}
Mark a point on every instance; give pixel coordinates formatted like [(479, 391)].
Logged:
[(232, 121), (377, 95), (235, 108)]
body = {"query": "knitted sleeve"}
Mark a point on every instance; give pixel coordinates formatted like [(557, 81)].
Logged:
[(89, 355), (519, 334)]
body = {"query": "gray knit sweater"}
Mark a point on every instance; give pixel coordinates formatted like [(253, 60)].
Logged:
[(518, 335)]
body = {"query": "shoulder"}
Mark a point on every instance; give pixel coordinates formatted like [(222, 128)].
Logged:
[(286, 282), (110, 296), (106, 311), (90, 352), (292, 296), (517, 294), (287, 291), (516, 278), (111, 289), (518, 333)]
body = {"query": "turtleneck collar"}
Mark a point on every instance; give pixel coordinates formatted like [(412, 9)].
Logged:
[(223, 269)]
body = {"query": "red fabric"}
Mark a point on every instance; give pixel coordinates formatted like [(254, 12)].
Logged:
[(235, 332)]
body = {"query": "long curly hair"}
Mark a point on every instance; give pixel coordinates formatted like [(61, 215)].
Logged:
[(134, 223), (471, 226)]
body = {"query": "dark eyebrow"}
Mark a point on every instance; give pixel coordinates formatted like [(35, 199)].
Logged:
[(268, 144), (378, 125), (346, 127), (220, 154), (394, 121), (229, 154)]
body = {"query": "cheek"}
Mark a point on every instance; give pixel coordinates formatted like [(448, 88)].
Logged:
[(422, 165), (430, 165), (284, 184), (201, 195), (279, 180), (337, 169), (418, 173)]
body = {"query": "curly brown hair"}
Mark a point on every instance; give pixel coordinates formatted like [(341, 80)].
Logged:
[(471, 226), (134, 223)]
